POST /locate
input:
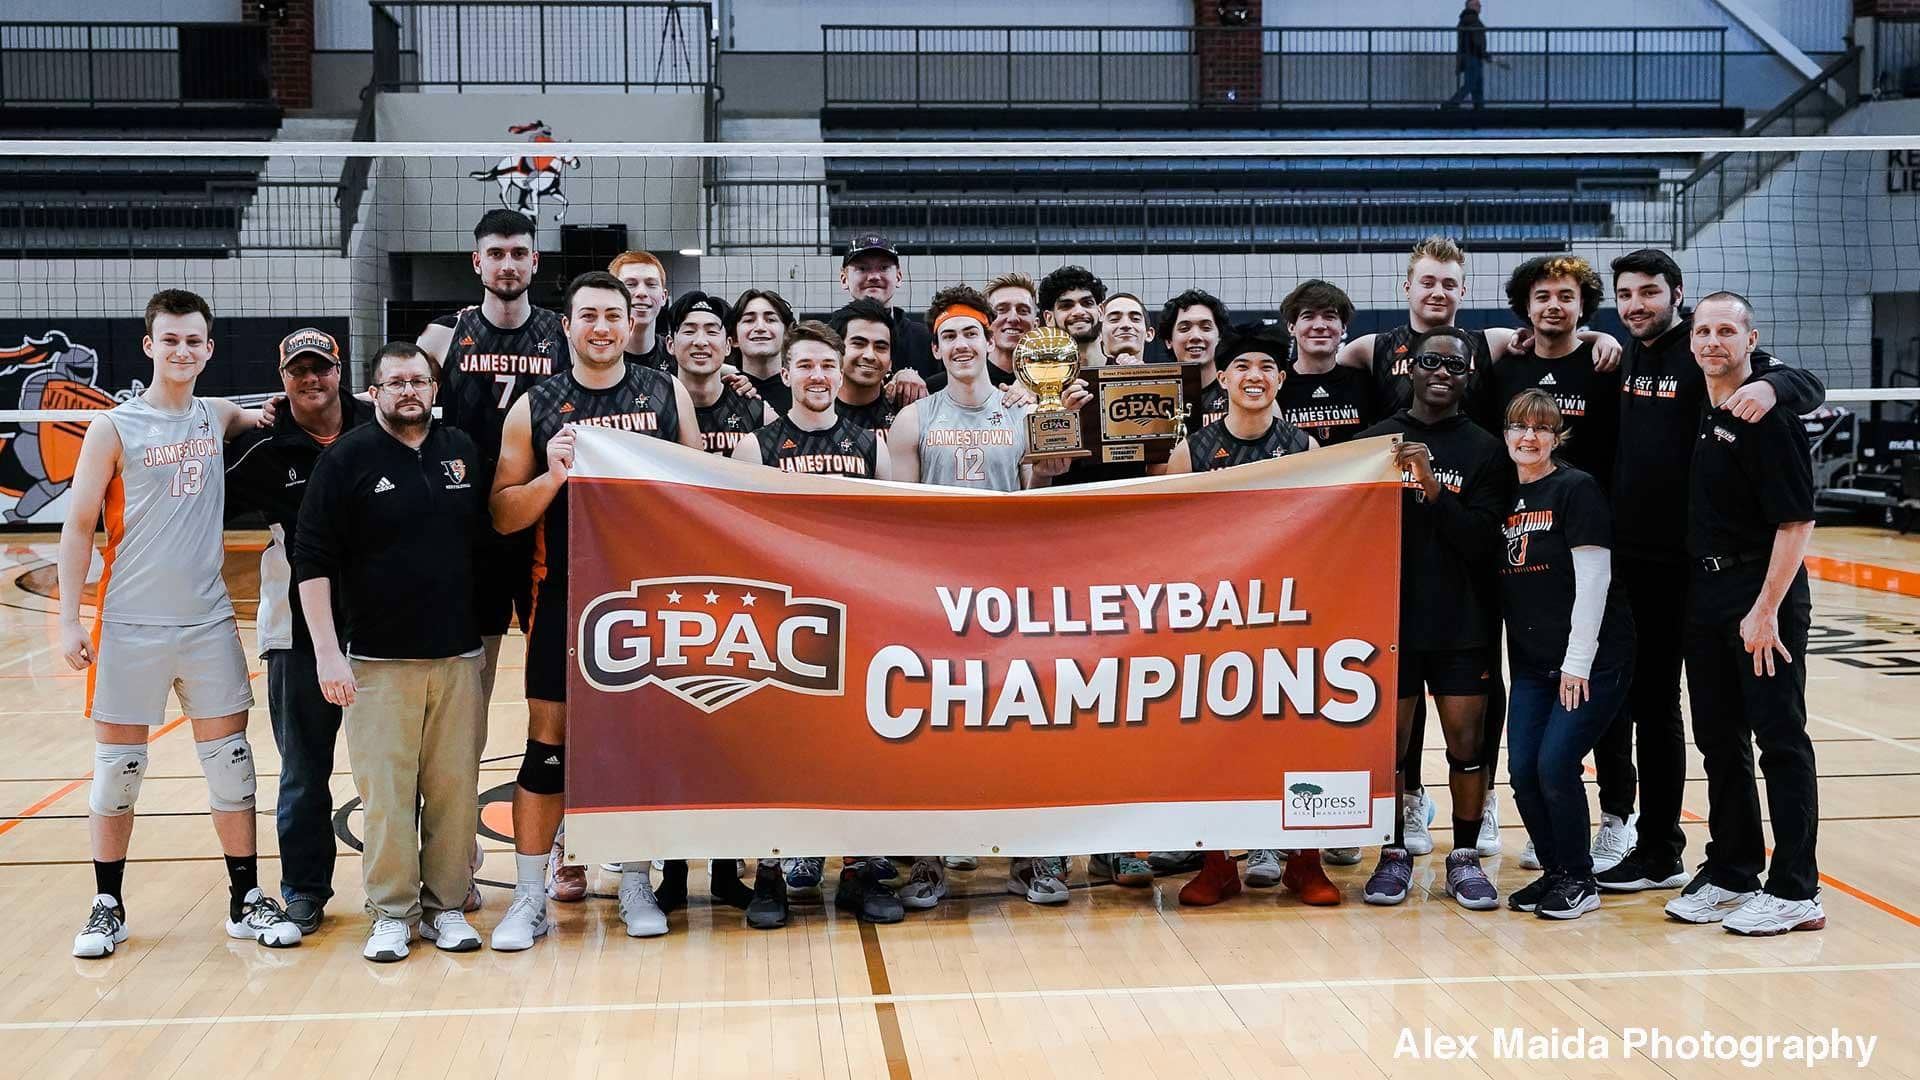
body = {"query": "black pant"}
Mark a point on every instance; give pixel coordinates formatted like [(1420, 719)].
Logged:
[(1732, 709), (305, 726), (1656, 593)]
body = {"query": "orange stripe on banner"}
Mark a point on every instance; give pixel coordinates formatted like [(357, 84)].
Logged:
[(1857, 893), (1863, 575)]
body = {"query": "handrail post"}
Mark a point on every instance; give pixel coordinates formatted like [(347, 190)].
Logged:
[(542, 23), (1369, 67), (1634, 93)]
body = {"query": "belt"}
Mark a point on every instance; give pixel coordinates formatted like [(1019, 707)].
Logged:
[(1713, 564)]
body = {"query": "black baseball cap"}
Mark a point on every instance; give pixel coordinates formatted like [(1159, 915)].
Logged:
[(309, 340), (867, 243), (690, 302)]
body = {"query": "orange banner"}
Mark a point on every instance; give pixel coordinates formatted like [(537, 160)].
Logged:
[(773, 664)]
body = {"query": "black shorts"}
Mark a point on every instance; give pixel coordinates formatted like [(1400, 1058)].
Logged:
[(1445, 672), (503, 582), (547, 642)]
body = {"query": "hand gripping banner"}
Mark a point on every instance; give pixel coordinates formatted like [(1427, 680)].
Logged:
[(764, 663)]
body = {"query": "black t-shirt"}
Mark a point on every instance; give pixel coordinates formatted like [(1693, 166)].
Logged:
[(1589, 403), (1546, 520), (1000, 378), (487, 369), (1215, 447), (876, 415), (1748, 480), (774, 391), (1448, 546), (845, 449), (1332, 406), (725, 422), (643, 400), (395, 529)]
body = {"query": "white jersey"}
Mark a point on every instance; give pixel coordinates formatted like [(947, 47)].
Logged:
[(972, 446), (164, 514)]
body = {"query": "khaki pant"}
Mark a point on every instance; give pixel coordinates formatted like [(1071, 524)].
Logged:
[(410, 739)]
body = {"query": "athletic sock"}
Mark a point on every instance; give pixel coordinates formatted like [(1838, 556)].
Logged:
[(243, 876), (107, 879), (1466, 834), (530, 874)]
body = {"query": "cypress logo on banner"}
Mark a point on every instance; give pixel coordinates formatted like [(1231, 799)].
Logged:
[(1320, 799), (711, 641)]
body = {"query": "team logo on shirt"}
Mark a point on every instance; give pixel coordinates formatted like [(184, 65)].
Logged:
[(711, 641), (456, 472), (1521, 524)]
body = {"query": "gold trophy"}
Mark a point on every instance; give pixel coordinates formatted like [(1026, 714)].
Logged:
[(1046, 359)]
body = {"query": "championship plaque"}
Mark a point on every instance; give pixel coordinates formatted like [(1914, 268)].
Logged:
[(1047, 360), (1139, 411)]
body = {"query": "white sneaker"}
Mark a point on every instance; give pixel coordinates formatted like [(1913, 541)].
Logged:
[(1415, 812), (1263, 869), (524, 922), (926, 886), (1530, 859), (1767, 914), (387, 941), (103, 932), (1707, 904), (962, 862), (1489, 844), (1041, 881), (1613, 841), (262, 920), (451, 932), (1340, 856), (639, 908)]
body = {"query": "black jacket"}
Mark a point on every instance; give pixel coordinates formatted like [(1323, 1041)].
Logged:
[(394, 528)]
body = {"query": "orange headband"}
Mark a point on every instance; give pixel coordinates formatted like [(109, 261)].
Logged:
[(962, 311)]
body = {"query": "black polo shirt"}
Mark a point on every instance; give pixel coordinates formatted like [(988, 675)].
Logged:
[(394, 528), (1747, 481)]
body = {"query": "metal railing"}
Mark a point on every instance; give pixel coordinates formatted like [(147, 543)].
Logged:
[(615, 45), (53, 63), (1896, 57), (1724, 179), (292, 215), (1367, 67)]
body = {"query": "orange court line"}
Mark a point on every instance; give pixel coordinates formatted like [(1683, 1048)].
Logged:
[(1862, 575)]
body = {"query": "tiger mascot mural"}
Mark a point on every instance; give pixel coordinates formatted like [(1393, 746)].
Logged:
[(37, 459)]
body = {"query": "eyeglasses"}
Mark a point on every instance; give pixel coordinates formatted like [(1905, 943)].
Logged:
[(1455, 365), (404, 386), (1531, 429)]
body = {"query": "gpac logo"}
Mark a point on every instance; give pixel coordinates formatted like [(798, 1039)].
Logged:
[(1320, 799), (1137, 409), (711, 641)]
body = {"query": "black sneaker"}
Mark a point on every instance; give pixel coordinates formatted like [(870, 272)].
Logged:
[(726, 886), (306, 913), (1527, 897), (768, 909), (1632, 875), (1175, 862), (672, 892), (1569, 898), (867, 899)]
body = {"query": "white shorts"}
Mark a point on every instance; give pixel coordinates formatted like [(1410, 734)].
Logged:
[(134, 665)]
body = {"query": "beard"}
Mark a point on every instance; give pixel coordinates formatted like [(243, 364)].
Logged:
[(1087, 336), (509, 294)]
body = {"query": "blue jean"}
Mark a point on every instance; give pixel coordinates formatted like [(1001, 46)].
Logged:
[(305, 728), (1472, 82), (1545, 747)]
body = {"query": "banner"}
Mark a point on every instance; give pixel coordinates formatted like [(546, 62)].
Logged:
[(765, 663)]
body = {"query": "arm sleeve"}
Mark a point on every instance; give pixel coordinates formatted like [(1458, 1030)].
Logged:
[(1800, 392), (1780, 469), (317, 543), (244, 491), (1592, 575)]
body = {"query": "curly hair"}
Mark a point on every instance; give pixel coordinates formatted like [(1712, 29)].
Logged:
[(1546, 268), (955, 296), (1170, 312), (1065, 280)]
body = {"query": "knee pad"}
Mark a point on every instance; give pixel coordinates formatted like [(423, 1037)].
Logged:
[(1464, 765), (228, 764), (543, 770), (118, 769)]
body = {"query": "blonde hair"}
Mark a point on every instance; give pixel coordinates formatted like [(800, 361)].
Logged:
[(1438, 248), (1013, 279)]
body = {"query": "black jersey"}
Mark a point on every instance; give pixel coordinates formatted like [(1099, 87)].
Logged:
[(725, 422), (845, 449), (1214, 447), (657, 358), (1332, 406), (876, 415), (641, 401), (1589, 403), (1213, 404), (774, 391), (488, 368), (1392, 358)]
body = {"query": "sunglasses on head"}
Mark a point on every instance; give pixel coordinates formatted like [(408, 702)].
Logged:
[(1455, 365)]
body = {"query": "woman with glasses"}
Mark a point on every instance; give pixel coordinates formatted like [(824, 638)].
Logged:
[(1569, 648), (1457, 485)]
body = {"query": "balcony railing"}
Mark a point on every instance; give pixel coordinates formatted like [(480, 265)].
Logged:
[(619, 46), (1363, 67), (53, 63)]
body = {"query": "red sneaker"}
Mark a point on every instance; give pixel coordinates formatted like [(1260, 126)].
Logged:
[(1307, 879), (565, 883), (1217, 880)]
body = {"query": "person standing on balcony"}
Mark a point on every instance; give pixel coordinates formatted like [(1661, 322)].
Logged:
[(1470, 57)]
